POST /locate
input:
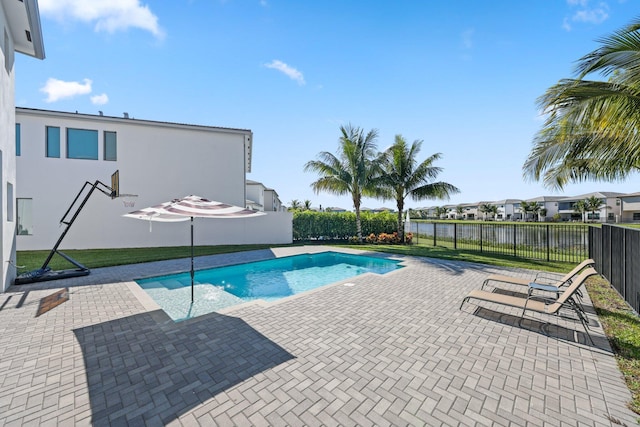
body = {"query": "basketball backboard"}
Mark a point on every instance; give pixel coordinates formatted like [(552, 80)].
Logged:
[(115, 184)]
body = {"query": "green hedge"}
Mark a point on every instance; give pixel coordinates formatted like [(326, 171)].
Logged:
[(311, 225)]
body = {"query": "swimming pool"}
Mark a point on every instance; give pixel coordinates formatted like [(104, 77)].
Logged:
[(270, 280)]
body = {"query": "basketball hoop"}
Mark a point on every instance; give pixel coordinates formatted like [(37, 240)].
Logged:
[(128, 200)]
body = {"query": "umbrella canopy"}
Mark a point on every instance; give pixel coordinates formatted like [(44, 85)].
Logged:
[(155, 213), (199, 207), (190, 207)]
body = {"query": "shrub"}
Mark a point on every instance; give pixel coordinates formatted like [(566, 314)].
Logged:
[(387, 238), (310, 225)]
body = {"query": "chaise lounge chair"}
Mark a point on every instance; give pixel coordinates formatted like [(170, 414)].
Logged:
[(529, 303), (542, 277)]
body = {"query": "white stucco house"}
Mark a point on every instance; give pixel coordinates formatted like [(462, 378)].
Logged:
[(609, 211), (20, 31), (506, 209), (630, 207), (261, 198), (157, 161), (548, 206)]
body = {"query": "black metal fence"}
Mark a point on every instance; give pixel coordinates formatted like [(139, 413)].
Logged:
[(616, 251), (549, 242)]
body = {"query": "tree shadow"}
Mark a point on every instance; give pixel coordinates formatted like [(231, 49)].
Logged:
[(147, 369)]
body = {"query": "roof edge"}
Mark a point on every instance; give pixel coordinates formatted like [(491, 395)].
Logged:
[(33, 15)]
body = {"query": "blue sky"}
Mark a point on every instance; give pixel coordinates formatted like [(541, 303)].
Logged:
[(463, 76)]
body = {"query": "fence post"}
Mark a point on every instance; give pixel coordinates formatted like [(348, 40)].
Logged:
[(435, 227), (548, 246), (455, 235), (481, 238), (515, 240)]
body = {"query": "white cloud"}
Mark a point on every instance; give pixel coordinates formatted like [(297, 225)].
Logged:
[(586, 13), (594, 15), (108, 15), (59, 89), (99, 99), (467, 38), (289, 71)]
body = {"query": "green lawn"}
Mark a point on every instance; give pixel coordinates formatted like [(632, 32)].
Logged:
[(95, 258)]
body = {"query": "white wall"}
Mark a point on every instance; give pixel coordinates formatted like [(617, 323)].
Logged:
[(158, 162), (629, 206), (7, 153), (255, 193)]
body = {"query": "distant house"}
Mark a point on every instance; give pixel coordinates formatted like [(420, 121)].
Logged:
[(335, 209), (549, 204), (470, 210), (506, 209), (261, 198), (607, 213), (629, 207), (20, 27), (382, 209)]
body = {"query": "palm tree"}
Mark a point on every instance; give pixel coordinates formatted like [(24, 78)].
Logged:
[(294, 205), (593, 204), (529, 207), (351, 171), (542, 213), (592, 130), (459, 211), (493, 210), (534, 208), (403, 177), (524, 209), (307, 205), (487, 208), (581, 207), (439, 211)]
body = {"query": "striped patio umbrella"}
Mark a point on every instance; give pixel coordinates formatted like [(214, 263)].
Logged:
[(188, 208), (155, 213)]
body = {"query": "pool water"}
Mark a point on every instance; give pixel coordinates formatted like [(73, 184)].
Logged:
[(270, 280)]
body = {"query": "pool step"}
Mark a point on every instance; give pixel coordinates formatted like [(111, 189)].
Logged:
[(172, 284)]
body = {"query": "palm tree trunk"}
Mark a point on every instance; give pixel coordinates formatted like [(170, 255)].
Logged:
[(358, 224), (400, 227)]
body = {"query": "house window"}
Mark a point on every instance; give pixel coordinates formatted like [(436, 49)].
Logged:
[(25, 218), (636, 216), (82, 144), (110, 146), (9, 202), (17, 139), (53, 142)]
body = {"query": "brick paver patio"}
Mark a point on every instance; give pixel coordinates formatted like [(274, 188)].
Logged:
[(389, 350)]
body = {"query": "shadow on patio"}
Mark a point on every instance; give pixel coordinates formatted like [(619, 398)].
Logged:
[(544, 328), (143, 368)]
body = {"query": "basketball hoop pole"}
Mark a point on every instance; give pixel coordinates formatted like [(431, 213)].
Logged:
[(81, 269), (96, 185)]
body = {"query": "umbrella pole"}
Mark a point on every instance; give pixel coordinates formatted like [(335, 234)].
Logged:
[(192, 272)]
